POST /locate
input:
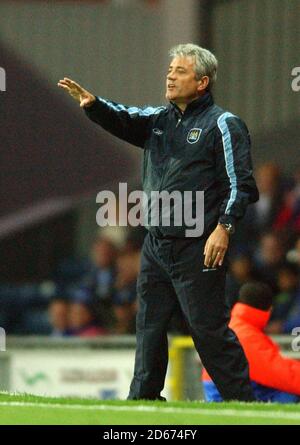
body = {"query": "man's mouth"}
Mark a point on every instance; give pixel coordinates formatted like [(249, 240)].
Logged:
[(171, 86)]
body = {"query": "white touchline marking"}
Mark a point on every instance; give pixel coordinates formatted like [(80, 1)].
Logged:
[(142, 408)]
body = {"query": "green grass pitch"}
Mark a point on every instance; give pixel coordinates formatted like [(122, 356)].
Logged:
[(18, 409)]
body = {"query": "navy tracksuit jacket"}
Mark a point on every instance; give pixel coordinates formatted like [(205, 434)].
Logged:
[(203, 149)]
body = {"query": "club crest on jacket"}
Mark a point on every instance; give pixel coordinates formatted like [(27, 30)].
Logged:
[(194, 135)]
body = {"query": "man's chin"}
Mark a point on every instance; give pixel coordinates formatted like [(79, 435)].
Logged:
[(171, 97)]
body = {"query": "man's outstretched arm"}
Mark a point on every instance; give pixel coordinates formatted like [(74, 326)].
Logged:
[(131, 124)]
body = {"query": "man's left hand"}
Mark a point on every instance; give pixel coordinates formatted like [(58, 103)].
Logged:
[(216, 247)]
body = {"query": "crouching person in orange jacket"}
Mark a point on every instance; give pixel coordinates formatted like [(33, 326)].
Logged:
[(274, 378)]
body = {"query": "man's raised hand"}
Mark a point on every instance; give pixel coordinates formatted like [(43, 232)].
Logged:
[(82, 96)]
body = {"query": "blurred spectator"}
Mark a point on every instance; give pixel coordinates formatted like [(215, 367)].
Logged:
[(98, 284), (287, 315), (288, 284), (268, 258), (293, 255), (104, 254), (269, 183), (124, 299), (82, 319), (111, 284), (274, 378), (288, 218), (293, 317), (112, 231), (240, 271), (59, 317), (263, 215)]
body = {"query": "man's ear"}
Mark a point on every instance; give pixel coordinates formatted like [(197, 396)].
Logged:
[(203, 83)]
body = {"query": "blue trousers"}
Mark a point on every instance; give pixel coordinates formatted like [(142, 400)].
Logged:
[(262, 393)]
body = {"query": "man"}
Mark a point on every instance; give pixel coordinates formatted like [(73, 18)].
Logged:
[(274, 378), (189, 145)]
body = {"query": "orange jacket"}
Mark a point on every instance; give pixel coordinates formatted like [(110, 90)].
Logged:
[(267, 366)]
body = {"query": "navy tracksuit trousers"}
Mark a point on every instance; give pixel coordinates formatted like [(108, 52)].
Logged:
[(172, 272)]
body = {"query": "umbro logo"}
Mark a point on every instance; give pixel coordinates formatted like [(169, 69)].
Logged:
[(157, 131)]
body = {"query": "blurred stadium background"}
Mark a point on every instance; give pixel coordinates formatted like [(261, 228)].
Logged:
[(67, 288)]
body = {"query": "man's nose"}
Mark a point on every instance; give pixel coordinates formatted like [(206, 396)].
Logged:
[(171, 75)]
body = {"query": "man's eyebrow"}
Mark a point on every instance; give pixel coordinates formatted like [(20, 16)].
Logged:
[(180, 67)]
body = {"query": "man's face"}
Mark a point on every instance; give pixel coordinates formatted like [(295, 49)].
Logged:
[(182, 86)]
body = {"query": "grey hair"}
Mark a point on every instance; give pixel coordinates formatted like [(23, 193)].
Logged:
[(206, 63)]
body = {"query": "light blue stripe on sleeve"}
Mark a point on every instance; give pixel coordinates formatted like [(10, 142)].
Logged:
[(228, 155), (149, 111)]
